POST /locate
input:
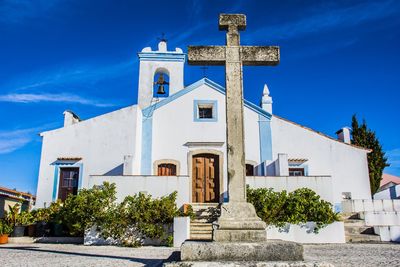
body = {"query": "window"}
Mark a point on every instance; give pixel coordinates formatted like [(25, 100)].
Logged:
[(68, 182), (249, 170), (166, 169), (205, 110), (296, 172)]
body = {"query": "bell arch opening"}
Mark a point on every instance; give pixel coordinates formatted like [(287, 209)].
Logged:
[(161, 83)]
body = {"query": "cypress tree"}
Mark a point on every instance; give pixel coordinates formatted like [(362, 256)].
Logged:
[(377, 161)]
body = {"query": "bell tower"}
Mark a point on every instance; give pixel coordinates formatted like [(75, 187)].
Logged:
[(160, 73)]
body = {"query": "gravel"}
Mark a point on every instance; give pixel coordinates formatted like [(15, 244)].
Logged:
[(357, 254), (383, 254)]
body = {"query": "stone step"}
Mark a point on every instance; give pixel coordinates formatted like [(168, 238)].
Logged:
[(358, 230), (201, 232), (350, 215), (360, 238), (204, 204), (21, 240), (204, 220), (201, 226), (351, 222), (202, 236)]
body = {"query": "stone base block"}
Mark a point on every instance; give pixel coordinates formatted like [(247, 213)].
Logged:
[(249, 264), (221, 235), (239, 223), (271, 250)]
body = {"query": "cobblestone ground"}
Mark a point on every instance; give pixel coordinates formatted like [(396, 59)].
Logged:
[(371, 255), (76, 255)]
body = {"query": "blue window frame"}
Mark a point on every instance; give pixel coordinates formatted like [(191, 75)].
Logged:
[(205, 110)]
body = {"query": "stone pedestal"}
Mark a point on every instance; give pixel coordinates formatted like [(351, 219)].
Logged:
[(271, 250), (239, 223)]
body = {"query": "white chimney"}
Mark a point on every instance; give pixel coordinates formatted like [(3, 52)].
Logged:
[(344, 135), (70, 118), (266, 101)]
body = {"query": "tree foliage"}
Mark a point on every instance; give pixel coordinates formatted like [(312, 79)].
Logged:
[(298, 207), (365, 137)]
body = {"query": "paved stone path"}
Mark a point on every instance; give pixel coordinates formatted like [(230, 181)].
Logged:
[(343, 255), (41, 255)]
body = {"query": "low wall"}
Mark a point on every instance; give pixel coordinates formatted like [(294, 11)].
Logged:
[(376, 205), (181, 230), (322, 185), (157, 186), (333, 233), (381, 218), (388, 233), (392, 192)]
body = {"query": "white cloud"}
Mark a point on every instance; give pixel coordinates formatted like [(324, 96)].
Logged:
[(56, 98), (25, 87), (326, 18), (85, 75), (16, 11), (15, 139)]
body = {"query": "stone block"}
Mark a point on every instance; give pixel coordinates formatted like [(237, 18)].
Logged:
[(239, 223), (271, 250), (238, 235)]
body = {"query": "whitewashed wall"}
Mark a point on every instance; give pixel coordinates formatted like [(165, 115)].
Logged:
[(321, 185), (174, 125), (157, 186), (346, 164), (332, 233), (392, 192), (366, 205), (101, 142)]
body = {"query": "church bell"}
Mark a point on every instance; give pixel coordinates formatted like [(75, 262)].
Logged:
[(161, 83), (161, 90)]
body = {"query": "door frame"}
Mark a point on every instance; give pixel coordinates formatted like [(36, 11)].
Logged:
[(220, 155), (56, 177)]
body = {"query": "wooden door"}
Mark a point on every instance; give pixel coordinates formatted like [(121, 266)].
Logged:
[(68, 182), (205, 178)]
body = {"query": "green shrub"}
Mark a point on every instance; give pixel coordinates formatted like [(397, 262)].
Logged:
[(5, 227), (270, 205), (298, 207), (136, 218), (139, 217), (50, 214), (89, 207)]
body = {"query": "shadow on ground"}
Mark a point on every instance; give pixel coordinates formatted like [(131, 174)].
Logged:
[(175, 256)]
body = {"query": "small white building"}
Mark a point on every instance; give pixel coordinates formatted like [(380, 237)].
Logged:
[(175, 139)]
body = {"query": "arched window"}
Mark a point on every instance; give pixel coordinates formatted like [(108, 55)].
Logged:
[(166, 169), (161, 84), (249, 170)]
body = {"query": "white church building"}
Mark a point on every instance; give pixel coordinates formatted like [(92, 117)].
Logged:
[(174, 139)]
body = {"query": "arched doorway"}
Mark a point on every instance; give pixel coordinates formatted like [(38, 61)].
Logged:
[(205, 178)]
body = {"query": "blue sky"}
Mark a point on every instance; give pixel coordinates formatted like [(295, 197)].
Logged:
[(337, 58)]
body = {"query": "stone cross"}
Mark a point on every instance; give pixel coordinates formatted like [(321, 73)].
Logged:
[(234, 56)]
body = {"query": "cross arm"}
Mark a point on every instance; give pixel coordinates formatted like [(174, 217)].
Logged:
[(206, 55), (260, 55)]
